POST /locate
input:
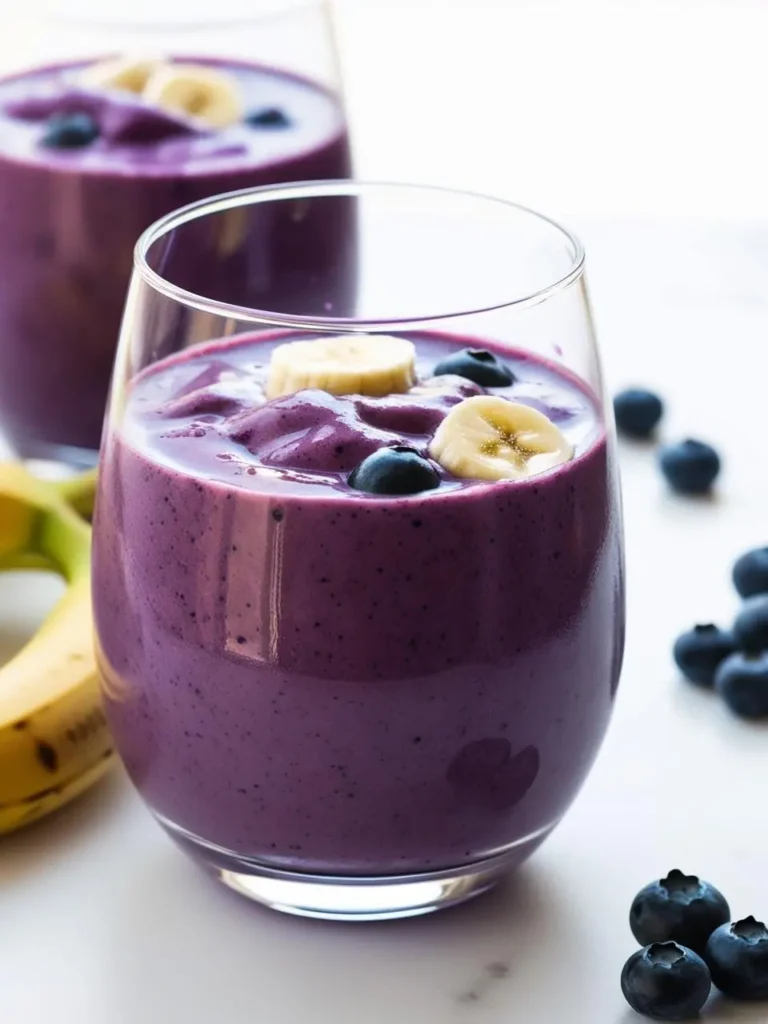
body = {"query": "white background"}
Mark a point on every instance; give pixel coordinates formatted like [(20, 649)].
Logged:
[(642, 125)]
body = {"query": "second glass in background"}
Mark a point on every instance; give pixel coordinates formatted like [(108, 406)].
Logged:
[(73, 206)]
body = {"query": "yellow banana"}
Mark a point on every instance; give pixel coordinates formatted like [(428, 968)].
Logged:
[(54, 740)]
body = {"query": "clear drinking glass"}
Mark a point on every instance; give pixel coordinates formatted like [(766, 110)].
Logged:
[(347, 702), (72, 211)]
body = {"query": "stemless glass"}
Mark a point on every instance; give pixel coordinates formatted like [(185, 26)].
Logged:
[(71, 212), (349, 704)]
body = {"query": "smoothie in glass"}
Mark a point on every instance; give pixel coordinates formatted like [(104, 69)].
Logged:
[(358, 582), (326, 679)]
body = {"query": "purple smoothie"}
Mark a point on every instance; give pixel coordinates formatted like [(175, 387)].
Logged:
[(325, 680), (69, 219)]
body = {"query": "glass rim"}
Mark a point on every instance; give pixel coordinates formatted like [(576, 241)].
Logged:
[(340, 187), (273, 11)]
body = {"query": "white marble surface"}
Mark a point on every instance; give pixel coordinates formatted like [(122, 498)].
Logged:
[(103, 922)]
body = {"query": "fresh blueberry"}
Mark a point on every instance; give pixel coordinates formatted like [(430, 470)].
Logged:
[(751, 625), (70, 131), (397, 470), (750, 573), (681, 908), (666, 981), (269, 117), (690, 467), (742, 682), (637, 412), (737, 955), (699, 651), (478, 365)]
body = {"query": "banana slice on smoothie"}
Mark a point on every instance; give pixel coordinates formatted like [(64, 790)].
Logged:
[(131, 74), (210, 95), (490, 438), (345, 365)]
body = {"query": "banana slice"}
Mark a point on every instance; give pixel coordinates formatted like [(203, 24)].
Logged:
[(131, 74), (490, 438), (211, 96), (344, 365)]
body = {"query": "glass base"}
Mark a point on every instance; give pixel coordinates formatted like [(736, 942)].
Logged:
[(354, 897)]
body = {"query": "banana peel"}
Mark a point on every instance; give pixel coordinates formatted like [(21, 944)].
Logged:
[(54, 740)]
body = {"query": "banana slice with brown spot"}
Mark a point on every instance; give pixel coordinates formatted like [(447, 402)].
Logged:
[(491, 438)]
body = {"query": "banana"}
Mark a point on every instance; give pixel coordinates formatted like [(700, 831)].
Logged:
[(491, 438), (20, 496), (345, 365), (79, 492), (210, 95), (54, 741), (130, 74)]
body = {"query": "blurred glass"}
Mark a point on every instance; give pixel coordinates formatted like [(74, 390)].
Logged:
[(69, 218)]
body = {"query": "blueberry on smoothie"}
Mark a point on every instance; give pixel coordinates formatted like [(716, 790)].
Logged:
[(680, 908), (268, 117), (666, 981), (395, 471), (70, 131), (699, 652), (478, 365), (737, 955)]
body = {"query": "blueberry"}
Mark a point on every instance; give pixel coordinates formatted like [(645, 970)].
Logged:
[(751, 625), (478, 365), (637, 412), (750, 573), (666, 981), (742, 682), (698, 652), (397, 470), (690, 467), (70, 131), (680, 908), (268, 117), (737, 955)]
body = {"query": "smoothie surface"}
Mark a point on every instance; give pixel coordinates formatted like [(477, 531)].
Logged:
[(139, 138), (205, 413)]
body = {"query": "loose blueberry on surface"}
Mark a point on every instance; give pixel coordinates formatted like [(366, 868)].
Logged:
[(396, 471), (268, 117), (478, 365), (681, 908), (698, 652), (750, 573), (742, 682), (691, 467), (637, 412), (751, 625), (70, 131), (737, 956), (666, 981)]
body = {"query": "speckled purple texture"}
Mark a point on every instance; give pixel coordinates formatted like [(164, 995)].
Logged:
[(69, 220), (332, 681)]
